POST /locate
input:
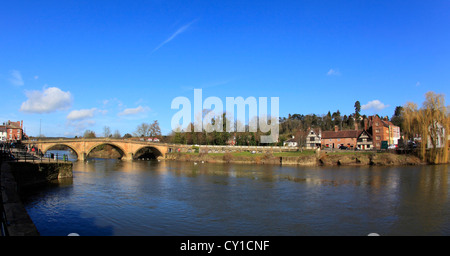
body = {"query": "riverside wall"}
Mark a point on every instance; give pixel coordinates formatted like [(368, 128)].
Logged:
[(319, 159), (21, 175)]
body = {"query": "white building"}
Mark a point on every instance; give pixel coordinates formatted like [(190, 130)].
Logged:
[(290, 142), (395, 132), (364, 141), (3, 133), (313, 139)]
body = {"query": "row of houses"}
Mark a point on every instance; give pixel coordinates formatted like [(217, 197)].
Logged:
[(378, 133), (12, 131)]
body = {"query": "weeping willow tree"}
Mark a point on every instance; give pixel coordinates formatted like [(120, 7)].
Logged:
[(431, 122), (410, 120)]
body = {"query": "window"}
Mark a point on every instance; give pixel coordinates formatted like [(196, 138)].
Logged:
[(377, 130), (378, 138), (376, 124), (368, 146), (312, 139)]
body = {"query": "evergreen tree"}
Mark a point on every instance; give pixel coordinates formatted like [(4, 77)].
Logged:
[(357, 109)]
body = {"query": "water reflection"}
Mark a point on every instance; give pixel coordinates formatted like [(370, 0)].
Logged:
[(184, 198)]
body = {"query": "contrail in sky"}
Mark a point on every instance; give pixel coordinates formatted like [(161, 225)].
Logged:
[(179, 31)]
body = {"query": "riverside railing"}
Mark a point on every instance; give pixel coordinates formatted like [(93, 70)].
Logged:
[(26, 156)]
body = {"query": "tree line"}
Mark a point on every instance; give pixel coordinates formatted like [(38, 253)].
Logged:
[(411, 120), (142, 130), (294, 125)]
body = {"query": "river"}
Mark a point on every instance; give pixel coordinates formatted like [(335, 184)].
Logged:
[(109, 197)]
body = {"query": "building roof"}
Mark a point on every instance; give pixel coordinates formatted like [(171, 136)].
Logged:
[(384, 122), (317, 131), (12, 125), (365, 131), (341, 134)]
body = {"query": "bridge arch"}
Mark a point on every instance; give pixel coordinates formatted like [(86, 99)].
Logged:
[(49, 147), (156, 152), (121, 150)]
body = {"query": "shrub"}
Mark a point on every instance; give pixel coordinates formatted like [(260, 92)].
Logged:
[(268, 155), (227, 157)]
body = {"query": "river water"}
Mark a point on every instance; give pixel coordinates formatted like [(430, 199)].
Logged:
[(111, 197)]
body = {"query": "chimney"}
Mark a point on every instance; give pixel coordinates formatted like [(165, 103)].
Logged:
[(336, 128), (21, 124), (366, 122), (356, 125)]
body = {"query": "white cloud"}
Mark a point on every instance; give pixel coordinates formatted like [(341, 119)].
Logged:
[(81, 114), (49, 100), (333, 72), (375, 105), (179, 31), (133, 111), (16, 78)]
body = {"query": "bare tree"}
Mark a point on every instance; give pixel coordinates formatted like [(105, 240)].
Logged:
[(116, 134), (154, 129), (106, 131), (142, 130), (146, 129)]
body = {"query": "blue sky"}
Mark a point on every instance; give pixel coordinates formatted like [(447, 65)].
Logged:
[(77, 65)]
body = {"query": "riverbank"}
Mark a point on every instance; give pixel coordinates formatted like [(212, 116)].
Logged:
[(105, 151), (19, 222), (17, 176), (304, 158)]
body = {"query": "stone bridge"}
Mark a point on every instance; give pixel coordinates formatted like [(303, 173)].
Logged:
[(129, 149)]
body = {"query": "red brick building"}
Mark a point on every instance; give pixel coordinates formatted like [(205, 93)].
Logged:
[(383, 130), (14, 131), (336, 138)]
